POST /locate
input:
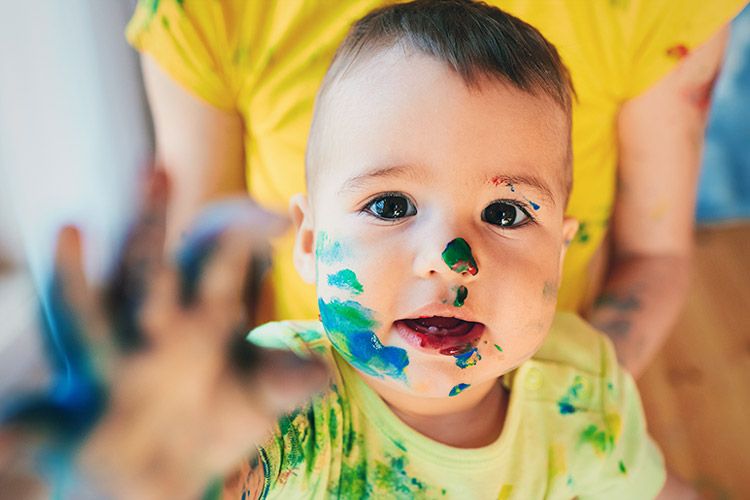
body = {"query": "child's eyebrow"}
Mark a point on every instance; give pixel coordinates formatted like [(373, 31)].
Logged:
[(408, 171), (523, 180)]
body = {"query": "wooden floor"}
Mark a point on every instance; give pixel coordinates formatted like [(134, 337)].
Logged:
[(697, 392)]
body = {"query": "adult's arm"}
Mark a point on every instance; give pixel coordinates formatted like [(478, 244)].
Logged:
[(660, 135), (200, 146)]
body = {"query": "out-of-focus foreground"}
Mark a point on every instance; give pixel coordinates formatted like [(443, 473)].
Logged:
[(697, 391)]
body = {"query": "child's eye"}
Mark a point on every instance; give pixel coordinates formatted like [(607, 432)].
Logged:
[(505, 214), (391, 207)]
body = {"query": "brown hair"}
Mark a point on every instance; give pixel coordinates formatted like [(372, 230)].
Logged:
[(475, 39)]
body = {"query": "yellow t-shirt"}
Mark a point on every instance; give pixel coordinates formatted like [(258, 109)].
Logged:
[(574, 428), (266, 59)]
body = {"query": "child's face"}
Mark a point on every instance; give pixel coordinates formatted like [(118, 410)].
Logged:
[(435, 232)]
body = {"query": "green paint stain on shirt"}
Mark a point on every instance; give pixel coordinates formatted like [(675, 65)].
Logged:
[(393, 478), (346, 280), (458, 389), (623, 469), (461, 293), (582, 235), (601, 440), (457, 255)]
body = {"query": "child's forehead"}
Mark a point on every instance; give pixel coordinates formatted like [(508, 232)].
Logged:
[(405, 109)]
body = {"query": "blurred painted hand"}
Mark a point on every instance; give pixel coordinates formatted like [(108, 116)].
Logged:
[(155, 390)]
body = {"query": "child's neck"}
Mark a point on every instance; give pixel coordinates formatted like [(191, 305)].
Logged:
[(473, 420)]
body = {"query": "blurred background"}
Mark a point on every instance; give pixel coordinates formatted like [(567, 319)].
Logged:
[(75, 135)]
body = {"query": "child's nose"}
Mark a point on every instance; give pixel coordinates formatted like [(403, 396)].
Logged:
[(453, 259)]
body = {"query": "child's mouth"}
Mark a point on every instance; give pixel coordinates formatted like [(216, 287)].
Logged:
[(447, 336)]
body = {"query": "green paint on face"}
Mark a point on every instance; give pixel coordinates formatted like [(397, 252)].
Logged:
[(498, 348), (457, 255), (461, 293), (346, 280), (458, 389)]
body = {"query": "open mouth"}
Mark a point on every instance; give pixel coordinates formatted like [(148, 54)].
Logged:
[(447, 336)]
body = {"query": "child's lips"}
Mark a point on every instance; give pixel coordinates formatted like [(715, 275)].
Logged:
[(441, 334)]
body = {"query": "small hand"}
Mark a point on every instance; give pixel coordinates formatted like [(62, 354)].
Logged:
[(155, 390)]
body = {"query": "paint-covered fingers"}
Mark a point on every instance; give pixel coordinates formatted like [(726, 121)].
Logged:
[(224, 256), (140, 263), (70, 407)]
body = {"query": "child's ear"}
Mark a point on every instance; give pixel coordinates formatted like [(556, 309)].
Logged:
[(570, 228), (304, 244)]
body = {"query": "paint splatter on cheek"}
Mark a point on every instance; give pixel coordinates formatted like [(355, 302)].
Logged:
[(457, 255), (329, 251), (458, 389), (346, 280), (350, 326)]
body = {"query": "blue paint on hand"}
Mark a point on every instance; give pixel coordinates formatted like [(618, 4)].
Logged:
[(77, 397)]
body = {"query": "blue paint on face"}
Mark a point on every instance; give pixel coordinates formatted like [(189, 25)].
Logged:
[(458, 389), (533, 205), (350, 326), (468, 358)]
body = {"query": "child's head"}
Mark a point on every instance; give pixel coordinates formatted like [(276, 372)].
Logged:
[(439, 166)]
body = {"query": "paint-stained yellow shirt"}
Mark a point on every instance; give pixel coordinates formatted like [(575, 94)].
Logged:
[(266, 59), (574, 428)]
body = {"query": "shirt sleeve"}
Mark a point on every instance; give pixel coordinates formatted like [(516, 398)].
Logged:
[(659, 34), (194, 41), (631, 465)]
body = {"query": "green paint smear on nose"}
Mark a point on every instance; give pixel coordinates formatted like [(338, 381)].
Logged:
[(346, 280), (457, 255), (461, 293), (458, 389)]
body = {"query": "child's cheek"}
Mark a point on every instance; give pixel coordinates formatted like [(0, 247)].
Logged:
[(351, 326)]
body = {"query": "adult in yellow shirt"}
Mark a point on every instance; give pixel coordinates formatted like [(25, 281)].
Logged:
[(232, 84)]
